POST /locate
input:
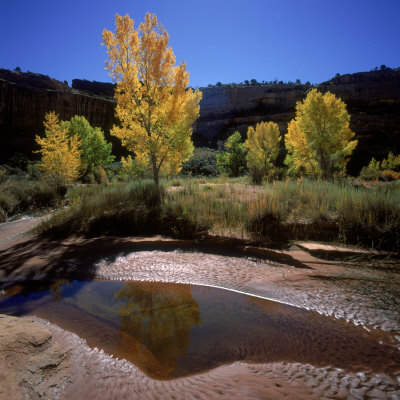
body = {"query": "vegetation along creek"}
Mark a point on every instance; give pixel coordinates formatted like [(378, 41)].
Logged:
[(163, 239)]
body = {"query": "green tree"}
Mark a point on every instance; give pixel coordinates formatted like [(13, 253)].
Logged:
[(233, 160), (95, 151), (322, 128), (391, 163), (263, 147)]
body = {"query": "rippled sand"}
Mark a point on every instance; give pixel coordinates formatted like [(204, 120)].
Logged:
[(102, 376), (365, 294)]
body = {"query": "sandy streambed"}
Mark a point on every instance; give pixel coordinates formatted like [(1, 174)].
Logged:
[(45, 361), (360, 292)]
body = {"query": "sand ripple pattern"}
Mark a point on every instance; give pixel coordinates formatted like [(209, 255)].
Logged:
[(98, 375)]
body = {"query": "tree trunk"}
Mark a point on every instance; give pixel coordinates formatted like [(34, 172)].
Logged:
[(155, 169)]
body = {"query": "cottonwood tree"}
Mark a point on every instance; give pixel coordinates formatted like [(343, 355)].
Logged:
[(60, 152), (155, 107), (233, 160), (95, 151), (319, 138), (262, 144), (300, 158)]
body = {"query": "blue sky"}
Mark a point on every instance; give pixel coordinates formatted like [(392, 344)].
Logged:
[(220, 40)]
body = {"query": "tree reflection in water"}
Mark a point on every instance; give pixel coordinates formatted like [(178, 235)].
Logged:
[(56, 288), (160, 318)]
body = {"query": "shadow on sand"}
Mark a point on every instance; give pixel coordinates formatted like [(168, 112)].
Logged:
[(76, 257)]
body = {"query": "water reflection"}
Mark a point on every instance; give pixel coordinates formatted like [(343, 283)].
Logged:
[(171, 330), (160, 318), (57, 286)]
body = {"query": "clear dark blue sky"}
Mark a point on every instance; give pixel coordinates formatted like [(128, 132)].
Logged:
[(220, 40)]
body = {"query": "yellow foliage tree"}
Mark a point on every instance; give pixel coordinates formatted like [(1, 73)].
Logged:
[(60, 153), (155, 108), (319, 138), (263, 148), (300, 157)]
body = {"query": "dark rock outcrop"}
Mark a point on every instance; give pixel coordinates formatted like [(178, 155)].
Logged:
[(372, 98), (225, 109), (103, 89), (25, 98)]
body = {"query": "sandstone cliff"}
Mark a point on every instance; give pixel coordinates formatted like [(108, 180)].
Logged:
[(26, 97), (373, 100)]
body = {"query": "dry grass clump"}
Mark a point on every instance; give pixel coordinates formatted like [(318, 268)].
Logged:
[(273, 213), (19, 196)]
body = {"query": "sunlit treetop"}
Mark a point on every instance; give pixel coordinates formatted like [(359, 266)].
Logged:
[(155, 108), (320, 138)]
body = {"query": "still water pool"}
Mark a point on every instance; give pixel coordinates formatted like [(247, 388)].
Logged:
[(171, 330)]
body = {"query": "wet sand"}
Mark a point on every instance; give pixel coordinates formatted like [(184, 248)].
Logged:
[(360, 292)]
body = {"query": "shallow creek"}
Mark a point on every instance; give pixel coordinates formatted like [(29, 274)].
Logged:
[(202, 325), (173, 330)]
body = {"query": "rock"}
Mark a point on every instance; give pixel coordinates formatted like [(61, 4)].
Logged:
[(103, 89), (32, 364)]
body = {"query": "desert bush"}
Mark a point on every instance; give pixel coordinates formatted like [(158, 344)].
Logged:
[(122, 209), (268, 227), (390, 175), (371, 217), (372, 171)]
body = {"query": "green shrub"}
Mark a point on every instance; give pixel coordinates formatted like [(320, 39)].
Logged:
[(386, 170), (203, 162), (7, 203), (233, 160)]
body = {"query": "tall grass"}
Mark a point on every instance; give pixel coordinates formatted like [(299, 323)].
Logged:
[(297, 210), (120, 209), (273, 213), (19, 196)]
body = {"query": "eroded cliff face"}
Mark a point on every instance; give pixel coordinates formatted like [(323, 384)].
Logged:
[(372, 98), (225, 109), (25, 98)]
